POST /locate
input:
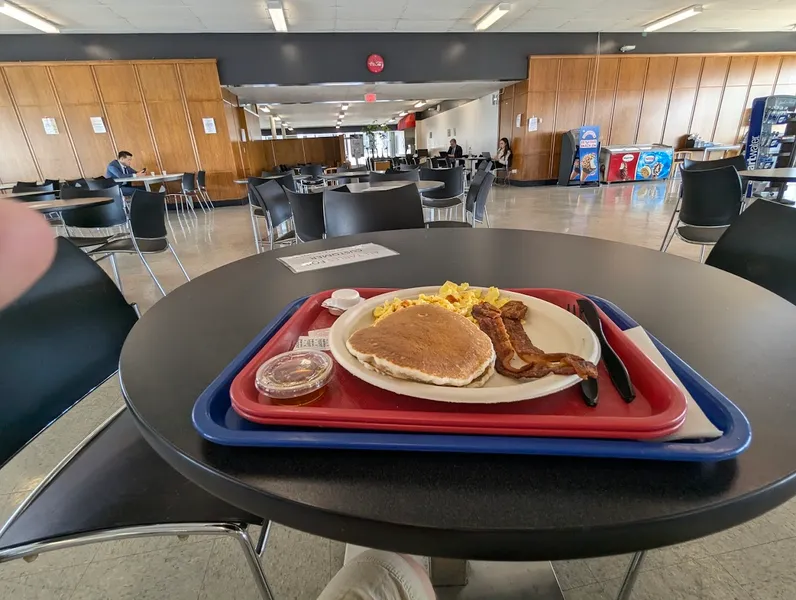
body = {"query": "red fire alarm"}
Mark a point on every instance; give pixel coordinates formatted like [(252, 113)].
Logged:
[(370, 97), (375, 63)]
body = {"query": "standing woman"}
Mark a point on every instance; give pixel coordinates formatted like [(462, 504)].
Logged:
[(503, 157)]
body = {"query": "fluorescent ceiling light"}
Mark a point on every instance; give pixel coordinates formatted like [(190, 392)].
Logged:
[(492, 16), (344, 107), (277, 15), (680, 15), (265, 108), (338, 127), (277, 118), (420, 103), (27, 17)]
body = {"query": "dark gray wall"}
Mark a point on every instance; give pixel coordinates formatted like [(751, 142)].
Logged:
[(410, 57)]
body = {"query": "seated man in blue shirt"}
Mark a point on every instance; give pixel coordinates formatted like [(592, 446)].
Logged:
[(120, 168)]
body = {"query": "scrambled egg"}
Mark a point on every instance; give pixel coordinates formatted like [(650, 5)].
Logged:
[(453, 297)]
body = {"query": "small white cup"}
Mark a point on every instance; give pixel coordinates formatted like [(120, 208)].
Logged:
[(341, 301)]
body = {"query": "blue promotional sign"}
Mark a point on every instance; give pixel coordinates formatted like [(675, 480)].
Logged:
[(755, 131), (589, 153)]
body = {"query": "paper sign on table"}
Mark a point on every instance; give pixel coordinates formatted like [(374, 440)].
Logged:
[(324, 259)]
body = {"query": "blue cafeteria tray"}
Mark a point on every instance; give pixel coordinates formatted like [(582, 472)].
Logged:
[(217, 422)]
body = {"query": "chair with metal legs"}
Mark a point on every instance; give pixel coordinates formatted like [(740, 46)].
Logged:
[(712, 200), (273, 200), (113, 485), (148, 234), (191, 192), (201, 183), (255, 211), (447, 197), (105, 216)]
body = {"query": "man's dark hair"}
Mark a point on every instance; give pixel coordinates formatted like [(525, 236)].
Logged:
[(124, 154)]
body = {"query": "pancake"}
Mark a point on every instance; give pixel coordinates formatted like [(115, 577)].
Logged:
[(426, 343)]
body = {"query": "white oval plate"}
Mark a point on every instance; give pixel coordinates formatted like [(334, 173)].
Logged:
[(550, 328)]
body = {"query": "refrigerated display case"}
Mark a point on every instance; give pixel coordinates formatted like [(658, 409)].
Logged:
[(647, 162)]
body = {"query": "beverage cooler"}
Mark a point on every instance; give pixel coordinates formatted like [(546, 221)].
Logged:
[(649, 162), (767, 144)]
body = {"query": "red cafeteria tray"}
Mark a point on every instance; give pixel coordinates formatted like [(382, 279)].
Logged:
[(350, 403)]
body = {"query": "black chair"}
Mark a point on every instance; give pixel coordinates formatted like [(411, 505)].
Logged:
[(201, 182), (148, 234), (287, 181), (255, 210), (99, 183), (187, 194), (712, 200), (307, 215), (347, 213), (95, 217), (113, 485), (448, 196), (273, 200), (25, 187), (311, 170), (474, 205), (75, 183), (56, 183), (739, 162), (760, 247), (408, 175), (438, 162)]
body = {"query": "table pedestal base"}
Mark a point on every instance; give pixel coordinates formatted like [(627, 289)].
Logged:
[(504, 580)]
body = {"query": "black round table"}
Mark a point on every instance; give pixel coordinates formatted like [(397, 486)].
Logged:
[(737, 335)]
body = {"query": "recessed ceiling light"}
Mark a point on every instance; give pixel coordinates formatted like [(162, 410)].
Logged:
[(420, 103), (277, 15), (344, 107), (338, 127), (27, 17), (277, 118), (402, 113), (265, 108), (492, 16), (676, 17)]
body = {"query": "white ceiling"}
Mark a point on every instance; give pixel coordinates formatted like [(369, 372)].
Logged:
[(318, 105), (184, 16)]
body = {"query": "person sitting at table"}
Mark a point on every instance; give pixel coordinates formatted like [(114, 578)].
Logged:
[(455, 151), (503, 154), (120, 169)]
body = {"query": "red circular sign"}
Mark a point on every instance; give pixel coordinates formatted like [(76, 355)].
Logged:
[(375, 63)]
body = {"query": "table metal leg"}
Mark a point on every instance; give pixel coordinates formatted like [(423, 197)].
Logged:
[(631, 575)]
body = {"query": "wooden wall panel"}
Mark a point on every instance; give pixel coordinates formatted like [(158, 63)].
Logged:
[(288, 152), (172, 136), (575, 74), (655, 100), (687, 71), (766, 69), (128, 121), (627, 106), (117, 82), (54, 153), (159, 82), (730, 113), (74, 85), (200, 81), (16, 161), (543, 74), (678, 118), (740, 71), (30, 86), (714, 71), (215, 151), (94, 150), (506, 117), (517, 137)]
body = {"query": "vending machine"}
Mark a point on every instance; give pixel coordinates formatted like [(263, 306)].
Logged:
[(767, 126)]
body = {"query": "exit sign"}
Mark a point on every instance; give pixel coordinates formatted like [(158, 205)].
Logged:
[(370, 97)]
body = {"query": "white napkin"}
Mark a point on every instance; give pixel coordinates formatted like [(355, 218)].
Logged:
[(696, 424)]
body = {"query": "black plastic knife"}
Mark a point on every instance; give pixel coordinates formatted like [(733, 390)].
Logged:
[(614, 365)]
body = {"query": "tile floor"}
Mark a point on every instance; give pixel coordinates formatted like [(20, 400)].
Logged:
[(756, 561)]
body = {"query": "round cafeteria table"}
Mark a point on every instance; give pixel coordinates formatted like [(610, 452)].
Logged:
[(422, 186), (62, 205), (485, 507), (781, 175), (345, 174)]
